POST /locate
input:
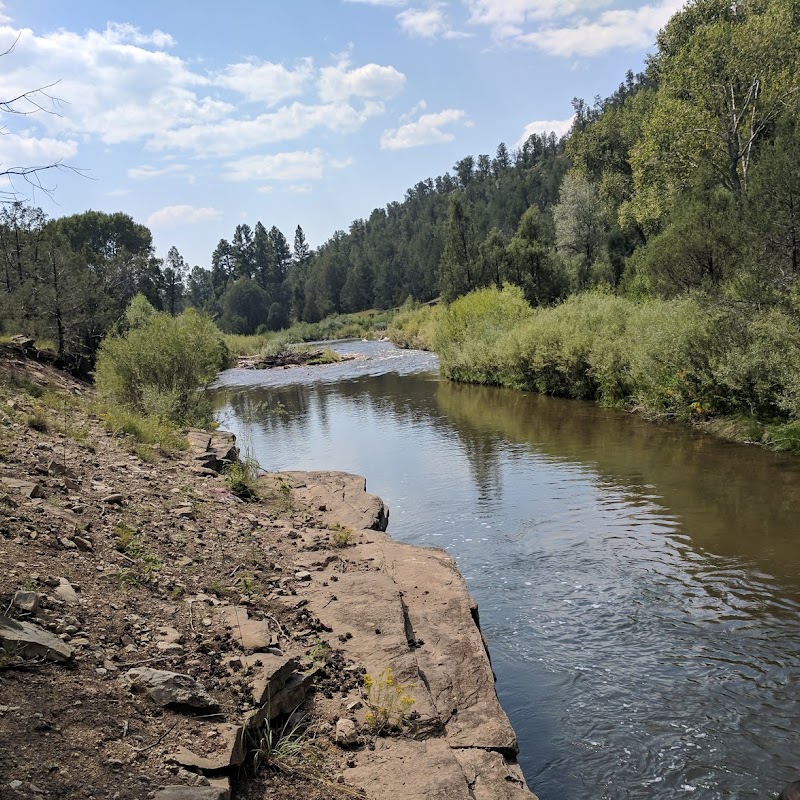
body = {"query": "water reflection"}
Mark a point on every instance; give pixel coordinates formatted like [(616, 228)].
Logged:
[(638, 584)]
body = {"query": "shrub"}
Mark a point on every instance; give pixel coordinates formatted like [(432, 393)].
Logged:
[(158, 368)]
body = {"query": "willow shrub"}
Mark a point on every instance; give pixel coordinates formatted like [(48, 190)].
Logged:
[(470, 329), (679, 358), (414, 326), (158, 368)]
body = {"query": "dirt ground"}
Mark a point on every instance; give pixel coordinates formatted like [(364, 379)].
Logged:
[(130, 556)]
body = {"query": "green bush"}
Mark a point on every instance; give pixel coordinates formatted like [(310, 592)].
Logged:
[(414, 326), (158, 369), (682, 358)]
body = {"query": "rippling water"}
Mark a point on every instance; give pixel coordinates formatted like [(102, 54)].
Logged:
[(639, 585)]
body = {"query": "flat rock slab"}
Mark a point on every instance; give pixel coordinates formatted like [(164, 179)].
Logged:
[(341, 497), (31, 641), (251, 634), (171, 689), (192, 793), (230, 752)]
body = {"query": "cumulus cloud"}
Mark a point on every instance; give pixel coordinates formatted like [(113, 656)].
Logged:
[(265, 82), (428, 129), (231, 136), (544, 126), (371, 80), (120, 85), (299, 165), (25, 149), (173, 216), (506, 17), (618, 28), (428, 23)]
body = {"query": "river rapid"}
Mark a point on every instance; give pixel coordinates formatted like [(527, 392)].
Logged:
[(639, 584)]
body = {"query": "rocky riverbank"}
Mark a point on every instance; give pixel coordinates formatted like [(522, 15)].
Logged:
[(163, 639)]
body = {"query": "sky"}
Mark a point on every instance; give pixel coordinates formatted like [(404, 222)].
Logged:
[(196, 117)]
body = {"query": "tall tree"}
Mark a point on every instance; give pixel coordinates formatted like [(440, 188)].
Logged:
[(459, 267), (174, 275)]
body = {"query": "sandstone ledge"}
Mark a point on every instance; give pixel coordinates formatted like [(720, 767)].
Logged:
[(408, 608)]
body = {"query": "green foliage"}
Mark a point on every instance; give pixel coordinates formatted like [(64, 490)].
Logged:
[(468, 328), (414, 326), (679, 358), (141, 429), (389, 702), (158, 369), (242, 478)]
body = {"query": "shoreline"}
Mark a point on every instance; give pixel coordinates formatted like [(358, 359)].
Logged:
[(161, 625)]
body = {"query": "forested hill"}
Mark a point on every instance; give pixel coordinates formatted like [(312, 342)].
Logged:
[(685, 180)]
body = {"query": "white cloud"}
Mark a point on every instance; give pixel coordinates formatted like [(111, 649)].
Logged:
[(125, 33), (120, 85), (300, 188), (172, 216), (428, 129), (297, 166), (428, 23), (25, 149), (147, 171), (370, 80), (613, 29), (301, 165), (232, 135), (544, 126), (265, 82), (266, 189), (506, 17), (415, 109), (3, 16)]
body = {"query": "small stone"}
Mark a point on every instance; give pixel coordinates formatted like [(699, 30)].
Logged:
[(32, 641), (15, 785), (65, 591), (68, 544), (114, 499), (83, 544), (303, 575), (346, 733), (26, 601), (72, 485)]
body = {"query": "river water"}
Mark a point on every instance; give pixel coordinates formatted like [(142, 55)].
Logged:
[(639, 584)]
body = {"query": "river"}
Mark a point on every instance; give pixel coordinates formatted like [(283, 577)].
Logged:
[(639, 584)]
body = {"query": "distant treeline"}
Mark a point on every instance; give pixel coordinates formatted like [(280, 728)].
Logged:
[(685, 180)]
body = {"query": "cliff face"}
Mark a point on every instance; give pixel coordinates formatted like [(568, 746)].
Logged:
[(408, 608), (159, 637)]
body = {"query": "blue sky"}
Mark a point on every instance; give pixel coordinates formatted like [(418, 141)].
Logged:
[(195, 117)]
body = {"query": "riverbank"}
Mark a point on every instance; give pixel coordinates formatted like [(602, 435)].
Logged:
[(730, 370), (158, 631)]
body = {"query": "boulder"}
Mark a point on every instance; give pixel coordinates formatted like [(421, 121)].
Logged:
[(171, 689), (26, 601), (346, 733)]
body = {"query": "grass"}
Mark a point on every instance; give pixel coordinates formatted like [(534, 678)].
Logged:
[(242, 478), (341, 536), (147, 564), (288, 748), (140, 429), (362, 325), (414, 326)]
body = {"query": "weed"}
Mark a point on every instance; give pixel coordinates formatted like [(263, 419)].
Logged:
[(242, 477), (389, 702), (288, 748), (148, 564), (342, 536), (318, 654), (218, 590), (250, 586), (38, 421), (177, 592), (125, 578)]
